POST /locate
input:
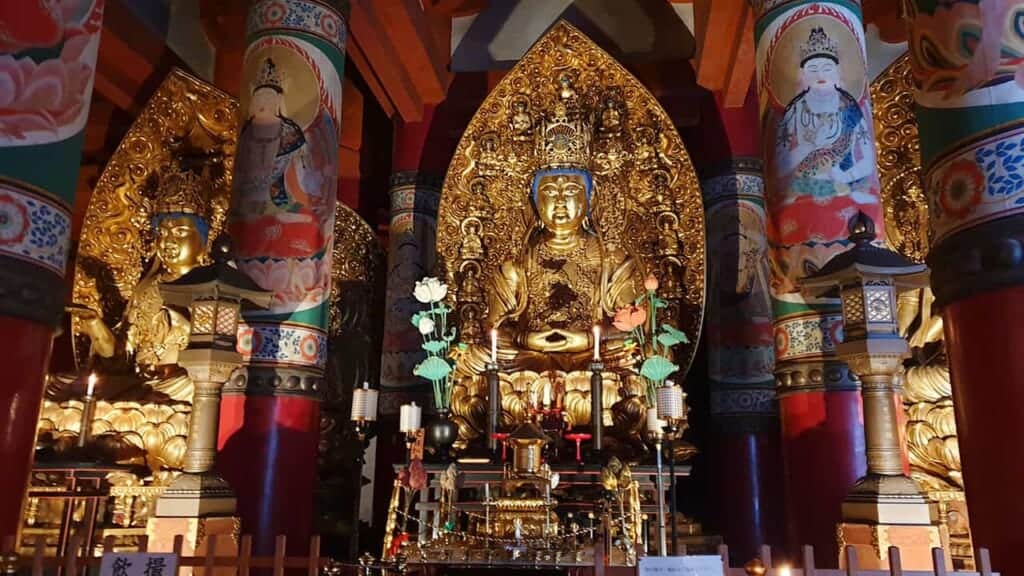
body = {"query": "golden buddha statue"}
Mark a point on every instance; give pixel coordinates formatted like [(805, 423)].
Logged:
[(142, 349), (567, 241)]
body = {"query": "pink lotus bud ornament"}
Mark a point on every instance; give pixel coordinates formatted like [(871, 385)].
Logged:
[(651, 283)]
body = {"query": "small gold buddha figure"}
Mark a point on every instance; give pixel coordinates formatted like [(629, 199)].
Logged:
[(611, 118), (142, 349), (472, 245), (521, 122), (490, 159)]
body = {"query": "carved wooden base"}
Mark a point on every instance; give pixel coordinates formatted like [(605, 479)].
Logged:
[(196, 532), (872, 542)]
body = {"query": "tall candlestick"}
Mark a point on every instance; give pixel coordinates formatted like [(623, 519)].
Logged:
[(597, 343), (91, 385), (494, 345)]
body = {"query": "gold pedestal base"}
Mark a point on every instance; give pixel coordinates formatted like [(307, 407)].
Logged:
[(196, 496), (197, 532), (883, 511)]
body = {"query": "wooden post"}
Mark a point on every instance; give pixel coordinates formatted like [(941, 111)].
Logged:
[(245, 555), (723, 551), (766, 556), (179, 544), (895, 563), (211, 555), (851, 561), (984, 562), (143, 543), (38, 555), (71, 555), (808, 552), (279, 551), (313, 569), (939, 561)]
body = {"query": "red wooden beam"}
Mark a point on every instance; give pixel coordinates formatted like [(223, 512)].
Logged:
[(410, 33), (385, 61), (718, 40), (355, 54), (741, 71)]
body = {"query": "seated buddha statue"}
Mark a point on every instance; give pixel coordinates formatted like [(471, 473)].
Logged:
[(136, 358), (545, 301)]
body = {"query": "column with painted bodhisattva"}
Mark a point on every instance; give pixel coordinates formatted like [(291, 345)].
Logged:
[(282, 221), (970, 112), (819, 156), (47, 65), (744, 456)]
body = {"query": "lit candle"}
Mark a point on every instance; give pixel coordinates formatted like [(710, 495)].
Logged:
[(547, 394), (494, 346), (409, 417), (91, 386), (597, 343), (655, 425)]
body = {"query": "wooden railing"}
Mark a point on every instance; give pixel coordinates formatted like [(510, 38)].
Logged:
[(82, 562)]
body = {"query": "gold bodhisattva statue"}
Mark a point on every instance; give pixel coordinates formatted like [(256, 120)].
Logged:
[(142, 349), (549, 224)]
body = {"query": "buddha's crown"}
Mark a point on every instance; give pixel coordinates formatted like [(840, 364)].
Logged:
[(564, 138), (269, 76), (818, 45), (185, 192)]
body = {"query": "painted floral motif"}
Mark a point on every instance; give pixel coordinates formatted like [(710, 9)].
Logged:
[(978, 183), (301, 15), (283, 344), (34, 228), (14, 220), (961, 189), (807, 335), (46, 99), (963, 46)]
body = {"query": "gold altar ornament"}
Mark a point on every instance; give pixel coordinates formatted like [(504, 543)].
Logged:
[(569, 187)]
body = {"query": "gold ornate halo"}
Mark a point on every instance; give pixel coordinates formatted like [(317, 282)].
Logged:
[(185, 114), (899, 161), (627, 168), (355, 257)]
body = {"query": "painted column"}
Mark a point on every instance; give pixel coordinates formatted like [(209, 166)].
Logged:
[(282, 224), (415, 193), (970, 111), (819, 172), (741, 362), (47, 67)]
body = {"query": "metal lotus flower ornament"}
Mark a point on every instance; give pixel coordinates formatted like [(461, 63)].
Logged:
[(437, 336), (654, 340)]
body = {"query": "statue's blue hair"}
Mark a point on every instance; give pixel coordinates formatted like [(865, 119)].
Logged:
[(585, 174), (202, 225)]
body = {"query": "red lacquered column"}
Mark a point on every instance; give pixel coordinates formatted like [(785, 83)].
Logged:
[(818, 173), (282, 222), (985, 340), (971, 129), (48, 58)]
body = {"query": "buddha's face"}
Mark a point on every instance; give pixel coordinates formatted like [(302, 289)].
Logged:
[(819, 74), (265, 105), (562, 201), (179, 243)]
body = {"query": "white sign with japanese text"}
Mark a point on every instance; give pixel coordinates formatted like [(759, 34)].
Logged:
[(139, 564), (679, 566)]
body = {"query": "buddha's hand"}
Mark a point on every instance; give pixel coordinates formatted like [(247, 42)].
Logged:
[(555, 340), (92, 326)]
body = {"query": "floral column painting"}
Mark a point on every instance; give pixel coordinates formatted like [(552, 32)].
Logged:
[(819, 155), (965, 58), (282, 223), (47, 68)]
